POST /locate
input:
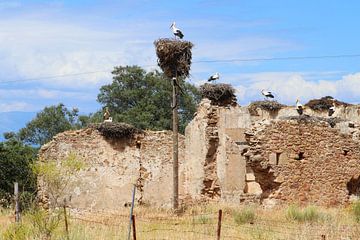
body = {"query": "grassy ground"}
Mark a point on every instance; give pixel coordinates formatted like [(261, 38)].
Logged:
[(198, 222)]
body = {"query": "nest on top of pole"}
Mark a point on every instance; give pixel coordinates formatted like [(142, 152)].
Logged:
[(174, 56)]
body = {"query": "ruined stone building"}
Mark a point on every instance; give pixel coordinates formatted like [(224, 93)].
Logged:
[(229, 154)]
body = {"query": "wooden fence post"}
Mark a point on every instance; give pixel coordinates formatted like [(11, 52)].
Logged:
[(17, 206), (131, 210), (66, 221), (219, 225), (134, 228)]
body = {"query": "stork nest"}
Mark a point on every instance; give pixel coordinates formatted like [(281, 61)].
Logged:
[(313, 119), (271, 106), (116, 130), (174, 56), (323, 104), (220, 94)]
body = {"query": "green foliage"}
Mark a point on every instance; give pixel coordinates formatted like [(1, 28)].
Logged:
[(49, 122), (144, 99), (15, 166), (17, 231), (246, 215), (57, 175), (356, 210), (45, 223), (308, 214)]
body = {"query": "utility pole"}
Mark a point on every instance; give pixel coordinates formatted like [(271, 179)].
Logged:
[(175, 123)]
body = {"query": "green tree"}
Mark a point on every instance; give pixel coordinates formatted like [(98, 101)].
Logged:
[(15, 166), (143, 99), (49, 122)]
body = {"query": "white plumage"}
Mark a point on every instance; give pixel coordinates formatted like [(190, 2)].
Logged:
[(214, 77), (108, 120), (267, 94), (299, 107), (332, 109), (177, 32)]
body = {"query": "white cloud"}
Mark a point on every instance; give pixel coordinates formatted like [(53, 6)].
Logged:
[(16, 106), (289, 86)]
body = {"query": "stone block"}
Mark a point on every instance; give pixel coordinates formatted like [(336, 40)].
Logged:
[(236, 134), (253, 188), (250, 177), (272, 158), (283, 159)]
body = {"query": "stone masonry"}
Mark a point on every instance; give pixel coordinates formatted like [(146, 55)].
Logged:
[(114, 166)]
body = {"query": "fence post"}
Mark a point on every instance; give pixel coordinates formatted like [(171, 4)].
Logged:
[(219, 225), (17, 206), (134, 228), (66, 221), (131, 210)]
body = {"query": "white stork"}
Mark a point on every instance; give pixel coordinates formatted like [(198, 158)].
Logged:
[(299, 107), (108, 120), (214, 77), (177, 32), (332, 108), (267, 94)]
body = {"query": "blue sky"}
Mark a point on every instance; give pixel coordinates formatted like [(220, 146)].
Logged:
[(48, 38)]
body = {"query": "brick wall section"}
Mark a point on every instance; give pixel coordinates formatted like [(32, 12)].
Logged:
[(113, 166), (320, 176)]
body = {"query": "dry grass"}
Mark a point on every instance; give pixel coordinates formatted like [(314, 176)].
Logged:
[(200, 222)]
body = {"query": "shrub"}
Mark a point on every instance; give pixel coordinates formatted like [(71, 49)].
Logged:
[(356, 210), (308, 214), (16, 231), (246, 215)]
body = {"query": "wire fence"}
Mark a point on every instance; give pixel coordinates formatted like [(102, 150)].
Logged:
[(221, 226)]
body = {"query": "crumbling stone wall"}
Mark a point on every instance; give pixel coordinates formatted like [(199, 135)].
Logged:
[(305, 162), (114, 165)]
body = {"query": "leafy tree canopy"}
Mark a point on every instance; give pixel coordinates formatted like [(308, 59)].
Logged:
[(143, 99), (15, 166), (49, 122)]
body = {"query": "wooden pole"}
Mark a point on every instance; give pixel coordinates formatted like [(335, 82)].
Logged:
[(175, 123), (134, 228), (17, 206), (131, 210), (219, 225), (66, 221)]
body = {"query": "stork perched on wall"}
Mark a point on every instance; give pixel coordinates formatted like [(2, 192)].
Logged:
[(177, 32), (299, 107), (214, 77), (267, 94), (108, 120), (106, 114), (331, 110)]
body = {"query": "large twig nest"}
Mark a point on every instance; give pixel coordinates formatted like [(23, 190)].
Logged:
[(220, 94), (174, 56), (323, 104), (116, 130), (271, 106)]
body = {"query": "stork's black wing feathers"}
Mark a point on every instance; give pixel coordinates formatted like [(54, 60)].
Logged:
[(179, 34)]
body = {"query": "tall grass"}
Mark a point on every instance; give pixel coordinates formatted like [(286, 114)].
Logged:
[(246, 215), (308, 214), (356, 210)]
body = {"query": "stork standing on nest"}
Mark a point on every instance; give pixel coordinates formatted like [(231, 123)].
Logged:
[(332, 108), (214, 77), (299, 107), (267, 94), (177, 32)]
